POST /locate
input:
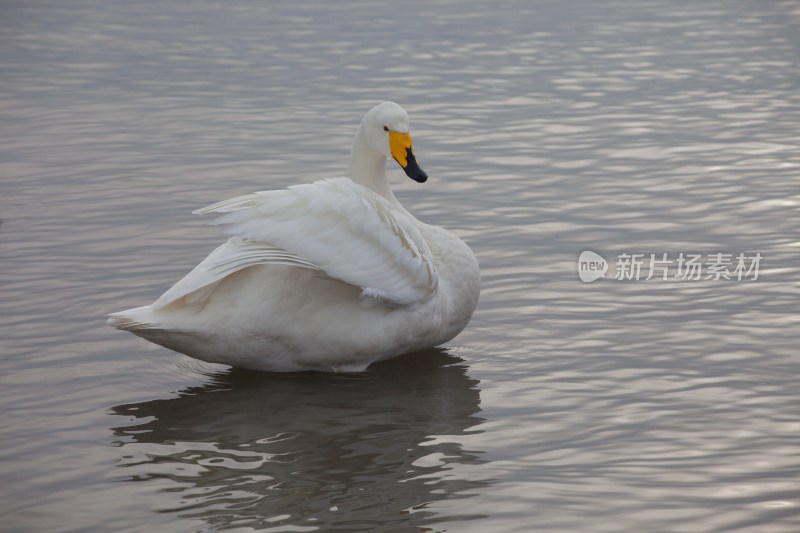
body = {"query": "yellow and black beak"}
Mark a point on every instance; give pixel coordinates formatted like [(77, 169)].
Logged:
[(400, 145)]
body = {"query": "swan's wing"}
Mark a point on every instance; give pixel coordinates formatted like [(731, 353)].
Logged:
[(345, 230), (234, 255)]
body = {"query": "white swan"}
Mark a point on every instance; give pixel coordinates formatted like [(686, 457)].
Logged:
[(330, 276)]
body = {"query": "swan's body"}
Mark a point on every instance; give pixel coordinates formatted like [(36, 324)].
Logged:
[(332, 275)]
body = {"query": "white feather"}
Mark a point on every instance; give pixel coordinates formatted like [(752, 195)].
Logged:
[(342, 228), (233, 256)]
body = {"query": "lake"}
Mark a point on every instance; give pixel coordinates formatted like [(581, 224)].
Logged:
[(653, 134)]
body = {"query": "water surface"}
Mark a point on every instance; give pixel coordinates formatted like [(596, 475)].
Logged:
[(547, 128)]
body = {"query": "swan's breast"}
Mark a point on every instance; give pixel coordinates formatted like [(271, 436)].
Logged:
[(459, 277)]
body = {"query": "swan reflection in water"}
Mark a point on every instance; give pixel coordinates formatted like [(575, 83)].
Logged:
[(319, 452)]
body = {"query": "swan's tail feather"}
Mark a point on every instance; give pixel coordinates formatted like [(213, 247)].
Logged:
[(133, 320)]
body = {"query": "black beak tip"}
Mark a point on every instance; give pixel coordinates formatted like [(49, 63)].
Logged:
[(418, 175), (412, 169)]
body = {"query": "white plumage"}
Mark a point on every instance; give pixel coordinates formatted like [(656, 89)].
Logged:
[(332, 275)]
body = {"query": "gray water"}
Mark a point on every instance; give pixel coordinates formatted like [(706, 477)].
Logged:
[(548, 128)]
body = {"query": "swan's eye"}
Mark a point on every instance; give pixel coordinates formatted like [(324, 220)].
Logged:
[(385, 128)]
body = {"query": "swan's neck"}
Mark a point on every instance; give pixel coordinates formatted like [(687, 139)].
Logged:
[(368, 167)]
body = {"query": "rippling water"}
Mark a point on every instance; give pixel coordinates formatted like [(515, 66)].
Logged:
[(548, 128)]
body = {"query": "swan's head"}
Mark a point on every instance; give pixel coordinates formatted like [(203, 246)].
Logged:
[(386, 127)]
